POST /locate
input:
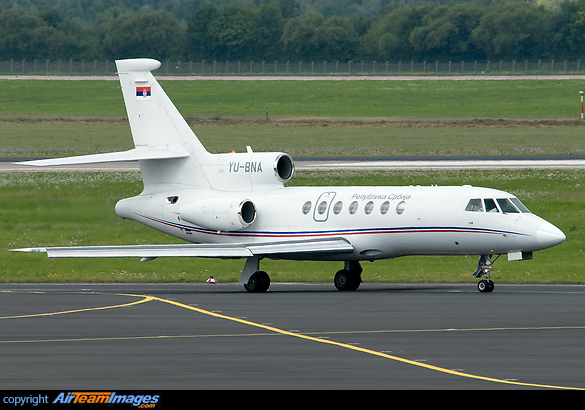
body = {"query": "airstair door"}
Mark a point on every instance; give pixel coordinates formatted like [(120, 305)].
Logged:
[(321, 212)]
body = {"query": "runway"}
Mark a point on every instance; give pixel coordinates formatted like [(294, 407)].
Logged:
[(442, 163), (356, 164), (296, 336)]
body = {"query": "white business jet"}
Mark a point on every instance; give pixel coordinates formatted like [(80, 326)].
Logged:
[(235, 205)]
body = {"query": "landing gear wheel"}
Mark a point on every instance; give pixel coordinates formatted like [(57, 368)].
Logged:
[(346, 280), (485, 286), (484, 268), (259, 282)]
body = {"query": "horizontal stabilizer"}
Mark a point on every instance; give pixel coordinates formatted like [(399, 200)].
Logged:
[(197, 250), (123, 156)]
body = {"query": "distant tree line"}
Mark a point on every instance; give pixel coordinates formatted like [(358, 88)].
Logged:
[(282, 30)]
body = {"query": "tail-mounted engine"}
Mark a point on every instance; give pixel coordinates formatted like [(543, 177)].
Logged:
[(219, 214), (248, 171)]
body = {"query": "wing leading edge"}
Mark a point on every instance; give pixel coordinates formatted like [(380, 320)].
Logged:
[(135, 154), (273, 249)]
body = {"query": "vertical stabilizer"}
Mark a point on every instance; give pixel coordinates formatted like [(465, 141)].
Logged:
[(158, 126), (154, 120)]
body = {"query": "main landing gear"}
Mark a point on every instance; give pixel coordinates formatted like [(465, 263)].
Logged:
[(253, 279), (349, 278), (484, 267), (257, 281)]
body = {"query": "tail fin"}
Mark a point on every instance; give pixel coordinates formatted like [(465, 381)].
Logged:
[(154, 120), (167, 149), (158, 126)]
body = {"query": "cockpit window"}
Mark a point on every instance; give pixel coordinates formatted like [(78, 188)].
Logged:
[(506, 206), (490, 205), (520, 205), (474, 205)]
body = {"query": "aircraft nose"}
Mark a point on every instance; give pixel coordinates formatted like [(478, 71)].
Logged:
[(549, 235)]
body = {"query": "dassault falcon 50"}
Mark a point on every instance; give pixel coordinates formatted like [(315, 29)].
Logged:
[(236, 205)]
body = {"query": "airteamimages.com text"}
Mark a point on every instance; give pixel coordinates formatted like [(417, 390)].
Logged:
[(79, 398)]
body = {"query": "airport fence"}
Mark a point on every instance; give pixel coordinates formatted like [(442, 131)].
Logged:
[(108, 67)]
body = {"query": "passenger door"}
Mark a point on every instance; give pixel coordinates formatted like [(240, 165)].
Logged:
[(321, 212)]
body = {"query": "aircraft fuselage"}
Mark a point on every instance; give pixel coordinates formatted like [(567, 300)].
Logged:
[(379, 222)]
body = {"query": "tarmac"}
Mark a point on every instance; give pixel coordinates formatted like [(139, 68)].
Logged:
[(297, 336)]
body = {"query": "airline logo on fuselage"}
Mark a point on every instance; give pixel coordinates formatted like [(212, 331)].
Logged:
[(389, 197)]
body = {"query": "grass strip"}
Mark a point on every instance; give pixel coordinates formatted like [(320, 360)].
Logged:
[(367, 98), (70, 209), (60, 139)]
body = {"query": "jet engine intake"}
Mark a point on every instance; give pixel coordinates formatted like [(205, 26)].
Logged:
[(219, 214), (284, 167)]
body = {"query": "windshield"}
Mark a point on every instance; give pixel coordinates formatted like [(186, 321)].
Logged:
[(520, 205), (504, 205)]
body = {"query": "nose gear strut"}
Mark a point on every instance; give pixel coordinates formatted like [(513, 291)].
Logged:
[(484, 267)]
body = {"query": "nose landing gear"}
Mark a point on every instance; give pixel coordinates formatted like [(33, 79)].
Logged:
[(485, 285), (484, 267)]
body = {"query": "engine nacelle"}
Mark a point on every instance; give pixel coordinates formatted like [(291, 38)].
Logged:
[(248, 171), (219, 214)]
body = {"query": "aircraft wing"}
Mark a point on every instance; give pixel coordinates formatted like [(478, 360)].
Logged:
[(227, 251)]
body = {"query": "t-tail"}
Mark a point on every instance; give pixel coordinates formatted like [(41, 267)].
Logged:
[(169, 153), (173, 150)]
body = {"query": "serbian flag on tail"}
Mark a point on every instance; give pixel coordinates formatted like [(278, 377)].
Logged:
[(143, 93)]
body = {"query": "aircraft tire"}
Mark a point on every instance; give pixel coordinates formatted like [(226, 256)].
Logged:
[(266, 281), (259, 282), (485, 286), (345, 280)]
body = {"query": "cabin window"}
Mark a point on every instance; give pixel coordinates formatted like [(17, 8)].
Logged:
[(322, 207), (307, 207), (353, 207), (506, 206), (400, 207), (172, 200), (384, 207), (490, 205), (520, 205), (337, 208), (369, 208), (474, 205)]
